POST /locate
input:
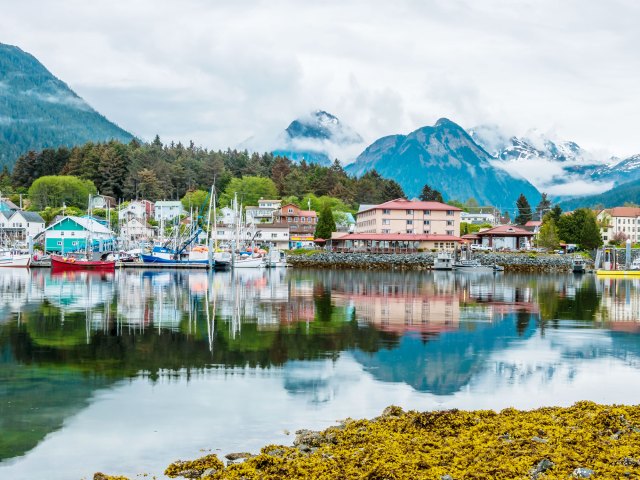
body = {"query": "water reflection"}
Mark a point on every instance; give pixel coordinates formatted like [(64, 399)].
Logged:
[(325, 339)]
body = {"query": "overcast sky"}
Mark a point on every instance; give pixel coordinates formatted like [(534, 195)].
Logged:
[(219, 72)]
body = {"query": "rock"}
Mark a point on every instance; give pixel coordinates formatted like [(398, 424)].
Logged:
[(539, 440), (542, 466), (194, 468), (392, 411), (446, 477), (238, 455), (630, 462), (582, 472), (276, 452), (311, 438), (505, 437)]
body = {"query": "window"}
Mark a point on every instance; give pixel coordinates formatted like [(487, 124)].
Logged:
[(427, 222), (303, 219), (386, 221), (409, 222), (427, 212), (295, 219), (409, 231), (59, 243), (62, 234), (450, 212), (449, 232), (290, 210), (386, 212), (286, 234), (409, 212), (75, 244), (449, 223), (386, 231), (274, 235)]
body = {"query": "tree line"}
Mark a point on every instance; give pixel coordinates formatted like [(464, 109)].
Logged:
[(157, 171)]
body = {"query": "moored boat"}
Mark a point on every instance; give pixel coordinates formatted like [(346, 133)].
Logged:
[(60, 263), (443, 261), (14, 259)]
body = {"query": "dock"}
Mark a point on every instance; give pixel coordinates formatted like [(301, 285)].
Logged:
[(163, 266)]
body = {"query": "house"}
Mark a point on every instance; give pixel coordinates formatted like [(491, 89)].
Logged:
[(72, 233), (264, 212), (20, 225), (102, 201), (478, 218), (140, 209), (504, 237), (302, 224), (273, 235), (226, 216), (410, 217), (137, 229), (620, 222), (392, 242), (345, 221), (168, 209)]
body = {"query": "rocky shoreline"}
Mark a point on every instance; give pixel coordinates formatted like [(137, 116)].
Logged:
[(585, 440), (512, 262)]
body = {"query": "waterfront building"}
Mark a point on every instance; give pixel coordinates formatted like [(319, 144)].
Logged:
[(403, 216), (392, 242), (136, 229), (18, 225), (302, 224), (507, 237), (168, 210), (71, 233), (272, 235), (264, 212), (620, 220)]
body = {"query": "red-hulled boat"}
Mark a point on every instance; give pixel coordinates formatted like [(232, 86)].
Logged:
[(59, 263)]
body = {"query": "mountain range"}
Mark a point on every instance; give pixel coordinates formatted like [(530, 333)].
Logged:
[(37, 110)]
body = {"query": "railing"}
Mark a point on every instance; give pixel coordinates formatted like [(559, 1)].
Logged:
[(374, 250)]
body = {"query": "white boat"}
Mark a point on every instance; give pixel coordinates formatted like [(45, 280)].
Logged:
[(12, 259), (276, 259), (467, 264), (248, 262), (579, 265), (443, 261)]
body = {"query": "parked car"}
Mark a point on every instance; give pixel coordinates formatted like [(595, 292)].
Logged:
[(480, 248)]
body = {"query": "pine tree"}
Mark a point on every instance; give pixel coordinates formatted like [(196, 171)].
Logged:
[(430, 195), (524, 210), (542, 207), (590, 237), (326, 224)]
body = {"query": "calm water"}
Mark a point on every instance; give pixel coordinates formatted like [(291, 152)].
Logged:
[(127, 372)]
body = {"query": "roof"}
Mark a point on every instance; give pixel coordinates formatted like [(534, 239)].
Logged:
[(505, 231), (404, 204), (86, 223), (533, 223), (168, 203), (365, 207), (624, 211), (470, 236), (412, 237), (31, 216)]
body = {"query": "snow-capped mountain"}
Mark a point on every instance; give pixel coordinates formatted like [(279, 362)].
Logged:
[(318, 138), (558, 167)]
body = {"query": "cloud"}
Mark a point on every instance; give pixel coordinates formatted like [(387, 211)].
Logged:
[(221, 72)]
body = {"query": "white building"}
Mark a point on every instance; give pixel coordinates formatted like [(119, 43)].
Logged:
[(620, 220), (478, 218), (272, 235), (136, 229), (140, 209), (168, 209), (19, 225)]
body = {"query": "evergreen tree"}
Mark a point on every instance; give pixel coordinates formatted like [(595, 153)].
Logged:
[(556, 213), (590, 237), (326, 224), (542, 207), (430, 194), (524, 210)]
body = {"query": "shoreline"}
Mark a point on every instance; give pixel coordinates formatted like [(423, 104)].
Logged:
[(512, 262), (586, 440)]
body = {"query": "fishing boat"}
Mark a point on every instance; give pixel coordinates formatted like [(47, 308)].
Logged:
[(579, 265), (14, 259), (443, 261), (74, 263), (275, 259), (198, 255), (248, 261)]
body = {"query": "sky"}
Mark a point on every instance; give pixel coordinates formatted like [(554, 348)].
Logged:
[(221, 72)]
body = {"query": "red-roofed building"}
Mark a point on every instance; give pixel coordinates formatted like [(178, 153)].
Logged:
[(409, 217), (392, 242), (302, 224), (506, 237), (620, 220)]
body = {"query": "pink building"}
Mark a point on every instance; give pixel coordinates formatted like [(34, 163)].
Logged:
[(409, 217)]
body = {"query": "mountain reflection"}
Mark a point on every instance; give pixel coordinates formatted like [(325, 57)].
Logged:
[(64, 336)]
